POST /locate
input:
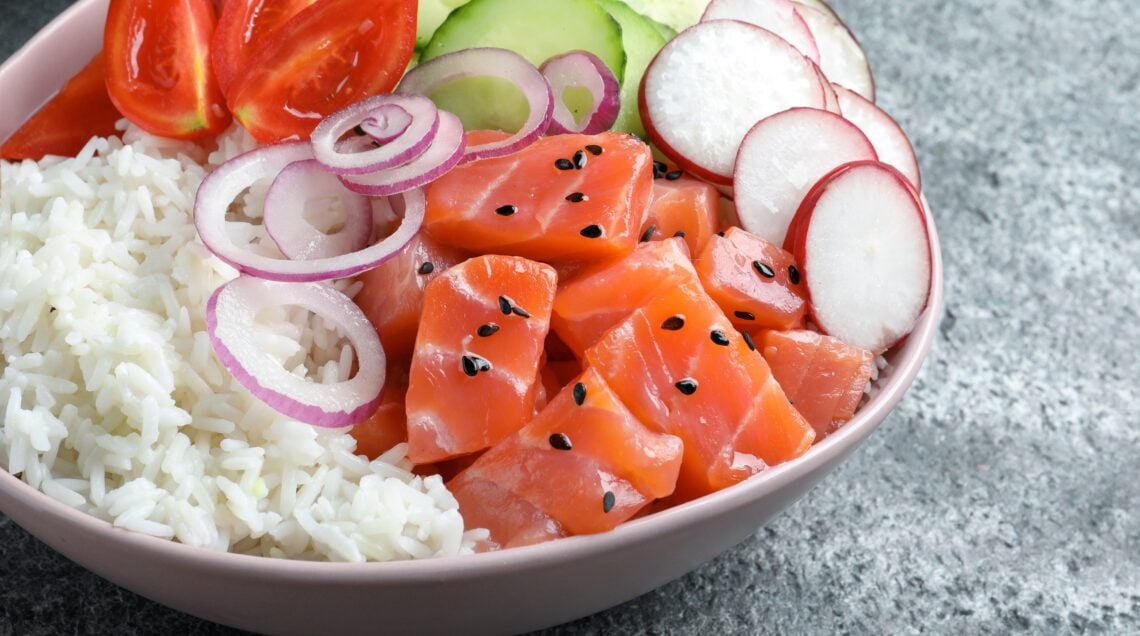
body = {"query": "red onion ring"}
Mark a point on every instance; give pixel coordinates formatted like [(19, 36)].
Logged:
[(219, 189), (295, 236), (386, 123), (582, 69), (444, 154), (492, 62), (356, 157), (231, 317)]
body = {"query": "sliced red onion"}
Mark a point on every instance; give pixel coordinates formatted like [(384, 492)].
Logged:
[(386, 123), (582, 69), (298, 184), (358, 156), (229, 180), (444, 154), (489, 62), (231, 317)]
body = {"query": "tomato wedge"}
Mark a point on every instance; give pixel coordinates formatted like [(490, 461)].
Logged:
[(158, 66), (329, 55), (79, 111), (242, 26)]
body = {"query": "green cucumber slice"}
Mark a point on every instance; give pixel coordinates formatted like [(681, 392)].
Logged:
[(431, 14), (641, 41), (535, 29), (676, 14)]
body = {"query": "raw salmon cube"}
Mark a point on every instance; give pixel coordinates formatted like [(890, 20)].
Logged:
[(756, 283)]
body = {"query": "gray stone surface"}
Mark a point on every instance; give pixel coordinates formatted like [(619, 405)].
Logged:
[(1002, 495)]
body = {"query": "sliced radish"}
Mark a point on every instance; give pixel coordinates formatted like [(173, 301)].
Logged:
[(830, 97), (864, 252), (778, 16), (820, 5), (782, 157), (840, 56), (711, 83), (884, 132)]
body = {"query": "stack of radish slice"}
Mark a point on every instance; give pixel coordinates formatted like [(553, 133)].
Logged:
[(809, 159)]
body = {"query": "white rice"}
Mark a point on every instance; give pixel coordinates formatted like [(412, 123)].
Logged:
[(113, 402)]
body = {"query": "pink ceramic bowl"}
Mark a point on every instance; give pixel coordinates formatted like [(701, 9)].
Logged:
[(510, 591)]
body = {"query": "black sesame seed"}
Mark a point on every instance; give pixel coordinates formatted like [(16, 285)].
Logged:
[(720, 234), (648, 233), (506, 210), (559, 441), (594, 149), (659, 169), (488, 329), (563, 164), (519, 311), (579, 393), (576, 197), (426, 268), (579, 160), (673, 323), (608, 501), (591, 231), (505, 305), (679, 234), (748, 340), (359, 130), (719, 337), (688, 386), (673, 175), (744, 315), (470, 365), (764, 269), (794, 274)]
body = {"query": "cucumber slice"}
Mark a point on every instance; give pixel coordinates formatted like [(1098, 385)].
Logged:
[(537, 30), (677, 14), (431, 14), (641, 41)]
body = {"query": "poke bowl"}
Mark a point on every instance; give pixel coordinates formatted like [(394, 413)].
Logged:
[(511, 590)]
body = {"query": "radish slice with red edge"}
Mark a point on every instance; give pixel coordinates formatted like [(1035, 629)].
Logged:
[(375, 117), (219, 189), (489, 62), (830, 97), (296, 236), (445, 153), (884, 132), (864, 251), (778, 16), (840, 56), (582, 69), (711, 83), (782, 157), (231, 320)]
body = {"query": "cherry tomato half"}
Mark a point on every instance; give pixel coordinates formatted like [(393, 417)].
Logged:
[(242, 26), (329, 55), (158, 66), (79, 111)]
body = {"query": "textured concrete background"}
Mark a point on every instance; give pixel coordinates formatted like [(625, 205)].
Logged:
[(1002, 495)]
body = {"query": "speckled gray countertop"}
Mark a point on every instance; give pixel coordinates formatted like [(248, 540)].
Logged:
[(1003, 495)]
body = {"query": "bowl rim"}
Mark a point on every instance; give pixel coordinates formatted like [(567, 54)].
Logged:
[(906, 360)]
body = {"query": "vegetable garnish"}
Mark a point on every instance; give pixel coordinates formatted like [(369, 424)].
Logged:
[(397, 129), (231, 317), (569, 75), (295, 235), (228, 181), (489, 62)]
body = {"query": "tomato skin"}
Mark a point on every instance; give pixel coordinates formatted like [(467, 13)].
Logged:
[(331, 54), (242, 26), (157, 54), (79, 111)]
